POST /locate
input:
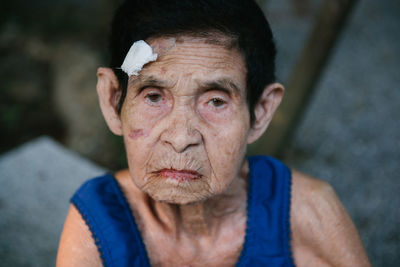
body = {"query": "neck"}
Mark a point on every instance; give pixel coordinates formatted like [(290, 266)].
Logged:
[(204, 218)]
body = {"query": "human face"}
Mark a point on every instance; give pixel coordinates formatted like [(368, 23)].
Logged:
[(185, 121)]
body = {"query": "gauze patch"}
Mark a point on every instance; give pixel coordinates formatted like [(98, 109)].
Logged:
[(138, 55)]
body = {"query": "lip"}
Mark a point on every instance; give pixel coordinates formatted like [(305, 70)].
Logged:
[(180, 175)]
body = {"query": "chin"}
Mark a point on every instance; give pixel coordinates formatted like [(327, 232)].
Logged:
[(178, 200), (180, 194)]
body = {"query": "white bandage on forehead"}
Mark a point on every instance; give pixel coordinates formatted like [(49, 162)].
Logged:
[(138, 55)]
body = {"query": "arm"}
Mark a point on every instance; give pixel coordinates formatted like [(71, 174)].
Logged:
[(322, 231), (77, 247)]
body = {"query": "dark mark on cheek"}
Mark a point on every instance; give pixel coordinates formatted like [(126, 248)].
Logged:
[(137, 133)]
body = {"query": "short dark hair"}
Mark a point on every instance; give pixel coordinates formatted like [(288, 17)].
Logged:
[(241, 20)]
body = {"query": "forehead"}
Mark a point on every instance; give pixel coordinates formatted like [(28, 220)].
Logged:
[(196, 58)]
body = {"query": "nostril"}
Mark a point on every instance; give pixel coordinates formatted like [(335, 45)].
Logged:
[(181, 138)]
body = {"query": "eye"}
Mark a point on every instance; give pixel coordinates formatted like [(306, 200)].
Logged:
[(217, 102), (154, 97)]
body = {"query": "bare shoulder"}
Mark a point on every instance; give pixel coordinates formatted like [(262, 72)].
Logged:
[(77, 247), (322, 231)]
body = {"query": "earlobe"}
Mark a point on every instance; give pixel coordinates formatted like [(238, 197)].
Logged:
[(265, 109), (109, 94)]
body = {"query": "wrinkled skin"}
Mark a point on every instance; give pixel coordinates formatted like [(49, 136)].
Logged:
[(187, 111)]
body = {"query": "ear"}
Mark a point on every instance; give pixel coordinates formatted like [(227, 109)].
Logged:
[(265, 109), (109, 94)]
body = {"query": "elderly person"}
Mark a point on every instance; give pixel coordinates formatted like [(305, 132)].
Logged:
[(191, 84)]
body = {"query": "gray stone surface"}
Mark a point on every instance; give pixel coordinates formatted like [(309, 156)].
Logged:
[(349, 135), (37, 180)]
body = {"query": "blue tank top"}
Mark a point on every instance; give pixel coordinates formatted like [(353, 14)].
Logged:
[(105, 210)]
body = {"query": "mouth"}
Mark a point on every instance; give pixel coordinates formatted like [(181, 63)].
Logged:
[(179, 175)]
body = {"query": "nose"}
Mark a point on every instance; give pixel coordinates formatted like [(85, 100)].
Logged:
[(181, 133)]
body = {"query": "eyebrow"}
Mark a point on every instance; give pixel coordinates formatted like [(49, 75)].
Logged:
[(147, 81), (224, 84)]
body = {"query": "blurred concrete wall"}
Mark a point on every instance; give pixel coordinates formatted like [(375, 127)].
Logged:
[(350, 133)]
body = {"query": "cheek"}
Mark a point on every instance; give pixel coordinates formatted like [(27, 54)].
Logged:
[(227, 130), (142, 114), (139, 133), (231, 143), (215, 116), (140, 119), (226, 149)]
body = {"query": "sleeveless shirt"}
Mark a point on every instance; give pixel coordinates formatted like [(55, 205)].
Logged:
[(105, 210)]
